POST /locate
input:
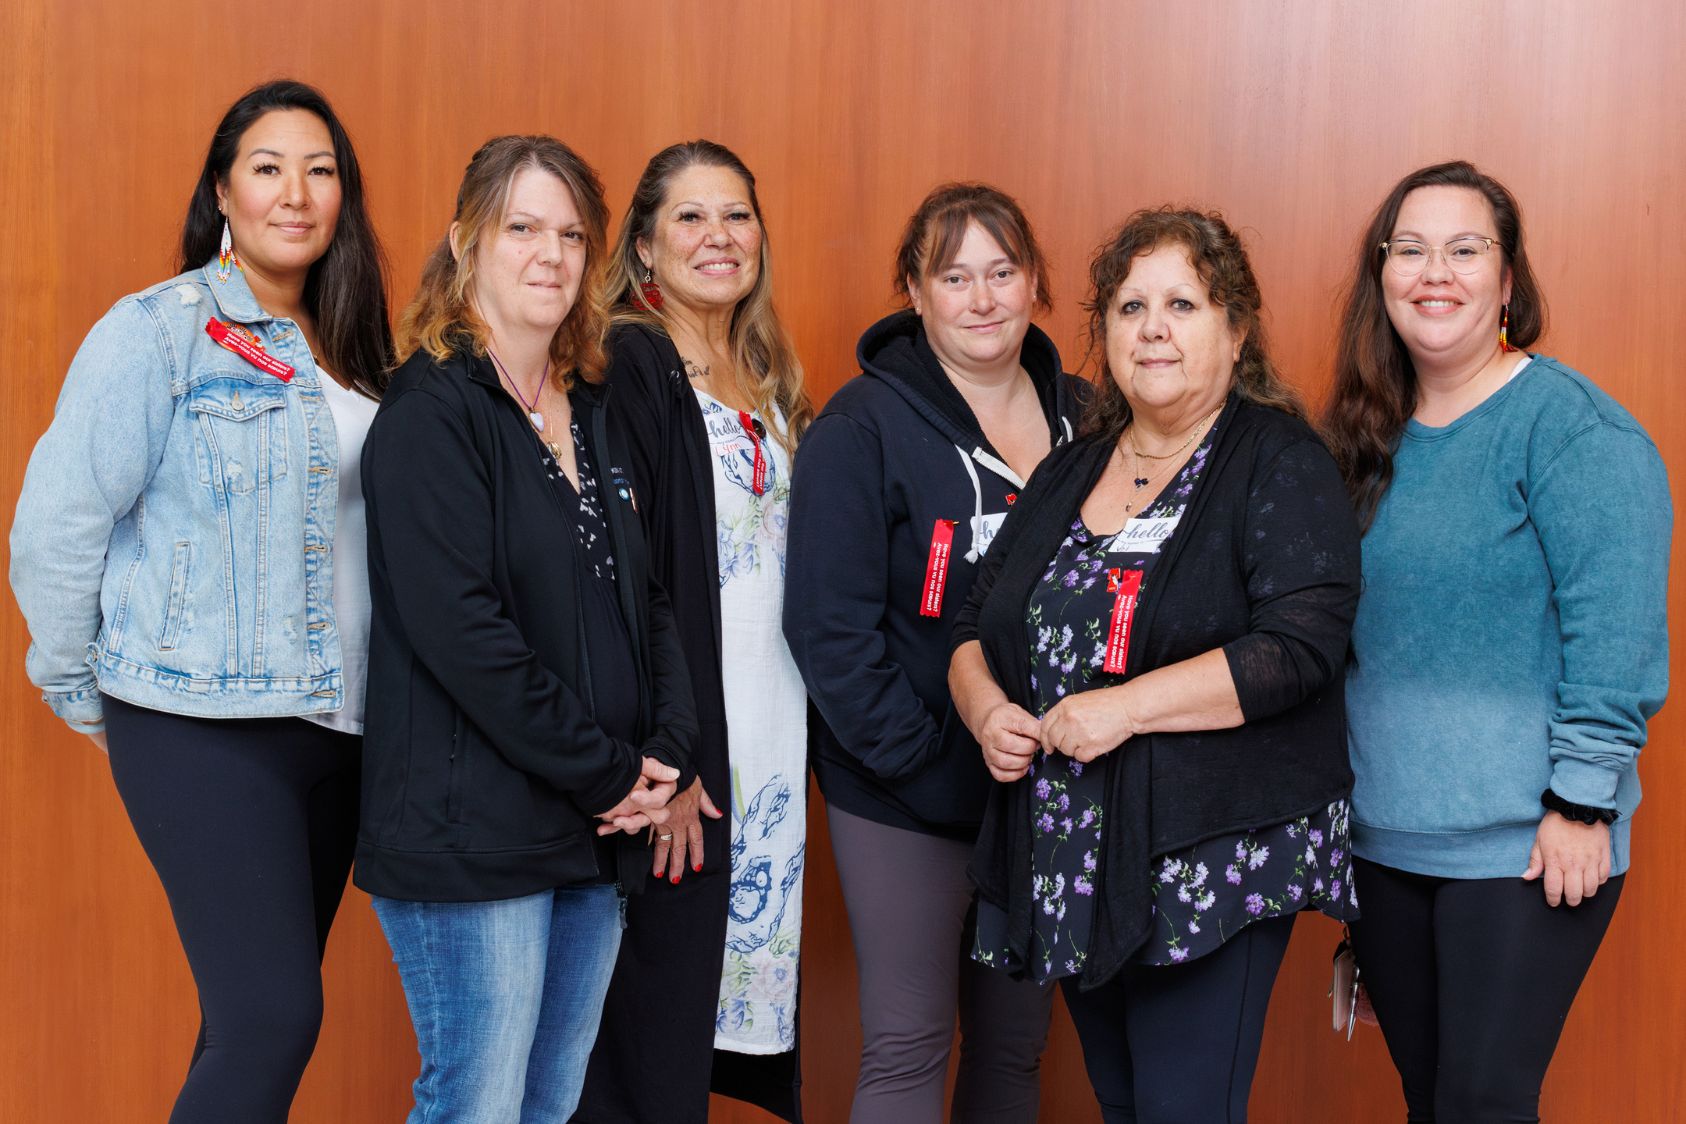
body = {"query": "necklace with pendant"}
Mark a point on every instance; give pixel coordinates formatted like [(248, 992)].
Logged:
[(532, 408), (1140, 481)]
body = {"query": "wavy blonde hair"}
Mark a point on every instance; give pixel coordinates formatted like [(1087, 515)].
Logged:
[(441, 317), (761, 349)]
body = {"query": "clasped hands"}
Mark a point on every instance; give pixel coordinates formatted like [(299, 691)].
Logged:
[(1082, 726), (646, 804), (654, 803)]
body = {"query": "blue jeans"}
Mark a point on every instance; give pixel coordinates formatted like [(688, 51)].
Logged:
[(505, 997)]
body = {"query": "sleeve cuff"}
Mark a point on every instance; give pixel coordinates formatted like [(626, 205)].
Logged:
[(1582, 783), (82, 710), (669, 755), (613, 789)]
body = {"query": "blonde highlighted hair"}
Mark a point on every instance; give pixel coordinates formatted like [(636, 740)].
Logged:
[(768, 370), (441, 318)]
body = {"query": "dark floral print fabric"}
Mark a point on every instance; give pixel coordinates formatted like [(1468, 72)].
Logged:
[(585, 506), (1202, 895)]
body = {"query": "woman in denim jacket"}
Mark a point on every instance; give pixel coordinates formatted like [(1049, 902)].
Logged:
[(188, 552)]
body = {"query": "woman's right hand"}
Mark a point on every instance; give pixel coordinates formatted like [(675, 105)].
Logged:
[(1009, 738), (646, 804), (682, 835)]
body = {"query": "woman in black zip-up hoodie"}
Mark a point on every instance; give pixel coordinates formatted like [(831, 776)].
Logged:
[(528, 698), (903, 480)]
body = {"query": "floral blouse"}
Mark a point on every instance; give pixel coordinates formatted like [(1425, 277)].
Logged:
[(1203, 894), (591, 529)]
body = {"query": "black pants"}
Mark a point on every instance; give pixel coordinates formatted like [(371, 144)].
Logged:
[(250, 824), (1472, 980), (1179, 1042)]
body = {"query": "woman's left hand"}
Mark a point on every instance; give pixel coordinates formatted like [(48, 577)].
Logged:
[(1574, 859), (1086, 725), (682, 834)]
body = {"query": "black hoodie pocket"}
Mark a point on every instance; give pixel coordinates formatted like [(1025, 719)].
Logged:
[(953, 788), (457, 782)]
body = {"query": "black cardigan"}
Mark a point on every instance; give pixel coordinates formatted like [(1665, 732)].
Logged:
[(1265, 566), (483, 768)]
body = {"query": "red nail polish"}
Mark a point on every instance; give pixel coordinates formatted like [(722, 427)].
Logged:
[(696, 867), (676, 880)]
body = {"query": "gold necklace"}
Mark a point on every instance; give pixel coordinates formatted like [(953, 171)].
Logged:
[(1141, 481)]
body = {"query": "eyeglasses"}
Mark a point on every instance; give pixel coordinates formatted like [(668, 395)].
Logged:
[(1408, 257)]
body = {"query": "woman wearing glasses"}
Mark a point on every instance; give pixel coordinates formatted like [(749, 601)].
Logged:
[(1509, 648)]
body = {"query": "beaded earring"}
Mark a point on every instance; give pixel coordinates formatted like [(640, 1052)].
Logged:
[(1504, 330), (227, 260), (651, 292)]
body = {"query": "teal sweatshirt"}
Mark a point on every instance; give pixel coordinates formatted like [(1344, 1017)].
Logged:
[(1512, 631)]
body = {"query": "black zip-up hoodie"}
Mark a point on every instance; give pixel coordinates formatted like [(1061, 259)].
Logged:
[(483, 767), (896, 450)]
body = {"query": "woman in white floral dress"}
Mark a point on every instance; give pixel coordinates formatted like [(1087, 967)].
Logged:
[(709, 391)]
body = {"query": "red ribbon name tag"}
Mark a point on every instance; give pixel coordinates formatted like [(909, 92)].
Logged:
[(1126, 585), (241, 344), (936, 568), (758, 484)]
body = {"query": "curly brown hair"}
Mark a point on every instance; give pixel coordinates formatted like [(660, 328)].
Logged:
[(441, 315), (1375, 391), (1220, 260)]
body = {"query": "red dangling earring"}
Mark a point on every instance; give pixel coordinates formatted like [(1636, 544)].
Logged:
[(651, 292), (1504, 330)]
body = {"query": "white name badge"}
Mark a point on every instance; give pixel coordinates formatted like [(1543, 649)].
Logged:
[(1144, 536), (984, 530)]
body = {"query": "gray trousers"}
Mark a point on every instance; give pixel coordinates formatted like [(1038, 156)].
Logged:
[(909, 903)]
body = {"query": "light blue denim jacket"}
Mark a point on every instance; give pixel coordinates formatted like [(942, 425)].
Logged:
[(173, 540)]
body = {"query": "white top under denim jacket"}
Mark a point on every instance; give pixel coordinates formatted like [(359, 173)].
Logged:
[(173, 545)]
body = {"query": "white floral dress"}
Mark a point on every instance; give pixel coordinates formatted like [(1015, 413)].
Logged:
[(767, 724)]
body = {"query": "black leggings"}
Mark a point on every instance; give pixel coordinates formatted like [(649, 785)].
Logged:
[(1180, 1042), (250, 824), (1471, 980)]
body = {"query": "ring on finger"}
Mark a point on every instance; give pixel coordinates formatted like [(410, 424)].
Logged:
[(666, 837)]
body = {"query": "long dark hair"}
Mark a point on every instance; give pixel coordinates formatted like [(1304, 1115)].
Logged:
[(1221, 262), (1375, 390), (345, 291), (761, 349)]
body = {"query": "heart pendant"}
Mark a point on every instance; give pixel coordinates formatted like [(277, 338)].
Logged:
[(537, 420)]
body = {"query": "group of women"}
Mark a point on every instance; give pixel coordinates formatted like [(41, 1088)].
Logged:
[(1108, 682)]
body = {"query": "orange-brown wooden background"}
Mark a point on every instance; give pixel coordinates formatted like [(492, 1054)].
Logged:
[(1292, 116)]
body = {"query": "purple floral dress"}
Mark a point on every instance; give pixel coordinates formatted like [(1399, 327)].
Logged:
[(1204, 894)]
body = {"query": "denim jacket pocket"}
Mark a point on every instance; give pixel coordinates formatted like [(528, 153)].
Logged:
[(181, 565), (242, 430)]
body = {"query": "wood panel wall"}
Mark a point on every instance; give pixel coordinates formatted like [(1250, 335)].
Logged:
[(1292, 116)]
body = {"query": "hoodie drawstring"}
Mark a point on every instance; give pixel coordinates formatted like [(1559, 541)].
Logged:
[(977, 502), (1000, 468)]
